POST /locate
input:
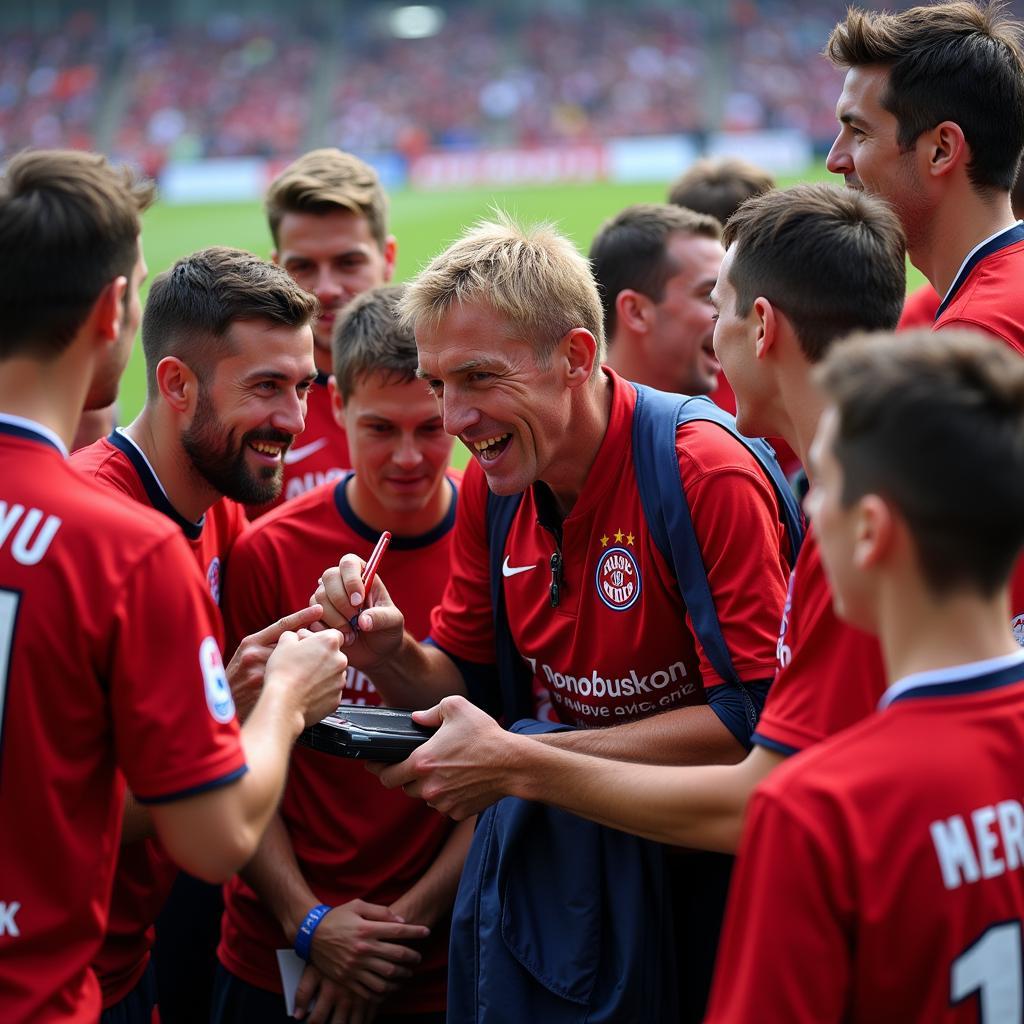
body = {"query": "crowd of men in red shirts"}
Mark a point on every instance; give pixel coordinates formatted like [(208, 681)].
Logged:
[(629, 681)]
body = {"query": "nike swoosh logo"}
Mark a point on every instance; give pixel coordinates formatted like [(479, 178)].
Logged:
[(514, 570), (298, 454)]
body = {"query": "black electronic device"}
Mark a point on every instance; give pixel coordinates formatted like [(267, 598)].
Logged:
[(372, 734)]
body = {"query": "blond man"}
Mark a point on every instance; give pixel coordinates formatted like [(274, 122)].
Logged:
[(510, 336)]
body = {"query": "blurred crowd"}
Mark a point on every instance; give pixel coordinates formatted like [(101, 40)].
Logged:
[(237, 86)]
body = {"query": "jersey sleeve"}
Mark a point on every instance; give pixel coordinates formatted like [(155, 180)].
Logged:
[(784, 955), (743, 543), (173, 716), (462, 624), (252, 588), (996, 324), (108, 466)]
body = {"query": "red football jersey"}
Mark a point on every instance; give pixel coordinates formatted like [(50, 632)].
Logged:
[(919, 308), (986, 294), (117, 462), (145, 873), (829, 674), (318, 454), (879, 878), (108, 642), (619, 645), (353, 839)]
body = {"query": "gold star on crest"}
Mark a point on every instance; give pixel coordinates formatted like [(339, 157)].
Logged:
[(630, 538), (618, 536), (604, 540)]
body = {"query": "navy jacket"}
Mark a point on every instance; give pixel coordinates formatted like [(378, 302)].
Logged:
[(560, 920)]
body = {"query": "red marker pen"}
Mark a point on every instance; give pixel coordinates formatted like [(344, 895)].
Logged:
[(369, 571)]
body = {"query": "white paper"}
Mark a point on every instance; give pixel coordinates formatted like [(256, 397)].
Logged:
[(291, 966)]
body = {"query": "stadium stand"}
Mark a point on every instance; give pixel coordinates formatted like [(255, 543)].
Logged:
[(246, 86)]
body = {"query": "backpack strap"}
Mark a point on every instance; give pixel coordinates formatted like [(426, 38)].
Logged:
[(514, 681), (655, 421)]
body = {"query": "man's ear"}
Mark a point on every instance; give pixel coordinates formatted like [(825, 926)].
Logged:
[(337, 402), (767, 326), (875, 529), (178, 385), (390, 257), (578, 348), (631, 310), (107, 311), (946, 148)]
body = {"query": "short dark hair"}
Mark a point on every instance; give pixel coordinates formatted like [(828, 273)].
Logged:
[(934, 423), (719, 187), (370, 338), (958, 61), (324, 180), (832, 259), (69, 225), (629, 251), (192, 306)]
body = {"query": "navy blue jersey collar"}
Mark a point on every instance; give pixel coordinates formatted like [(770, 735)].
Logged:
[(958, 680), (367, 532), (154, 489), (30, 430), (986, 248)]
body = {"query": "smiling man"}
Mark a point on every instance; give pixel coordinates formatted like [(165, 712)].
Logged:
[(510, 335), (327, 214), (655, 266), (110, 642), (229, 364), (779, 312), (374, 857), (229, 361), (932, 119)]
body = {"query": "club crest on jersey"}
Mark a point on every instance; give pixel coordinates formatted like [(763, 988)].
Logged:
[(215, 681), (1018, 629), (213, 579), (618, 579)]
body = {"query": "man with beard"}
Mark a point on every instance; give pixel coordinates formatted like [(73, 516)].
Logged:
[(109, 642), (229, 362)]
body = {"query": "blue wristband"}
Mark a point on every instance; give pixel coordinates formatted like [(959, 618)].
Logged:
[(304, 936)]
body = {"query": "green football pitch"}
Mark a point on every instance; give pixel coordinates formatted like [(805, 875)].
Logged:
[(423, 222)]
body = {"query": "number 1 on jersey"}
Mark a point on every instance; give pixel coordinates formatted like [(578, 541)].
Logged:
[(9, 601), (991, 966)]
